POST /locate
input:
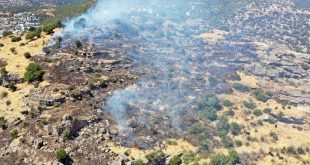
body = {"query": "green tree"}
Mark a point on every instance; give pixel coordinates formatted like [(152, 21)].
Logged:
[(34, 72)]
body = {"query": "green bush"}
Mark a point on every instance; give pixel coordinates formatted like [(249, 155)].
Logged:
[(8, 102), (78, 44), (66, 133), (12, 86), (6, 33), (267, 110), (212, 101), (227, 103), (61, 155), (32, 34), (274, 136), (223, 126), (154, 157), (249, 104), (2, 122), (49, 28), (241, 88), (221, 159), (209, 112), (1, 45), (27, 55), (138, 162), (228, 142), (238, 143), (212, 81), (14, 134), (176, 160), (3, 71), (235, 128), (13, 50), (300, 150), (257, 112), (262, 96), (34, 72), (230, 112), (16, 39)]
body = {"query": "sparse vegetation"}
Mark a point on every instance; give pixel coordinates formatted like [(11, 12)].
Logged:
[(221, 159), (2, 122), (227, 103)]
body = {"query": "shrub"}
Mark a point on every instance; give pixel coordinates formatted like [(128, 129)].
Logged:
[(274, 136), (228, 142), (59, 39), (154, 157), (238, 143), (212, 81), (49, 28), (61, 155), (33, 72), (138, 162), (4, 94), (221, 159), (267, 110), (46, 50), (257, 112), (3, 71), (12, 86), (32, 34), (300, 150), (249, 104), (230, 112), (27, 55), (16, 39), (13, 50), (209, 112), (14, 134), (66, 133), (212, 101), (2, 122), (6, 33), (8, 102), (262, 96), (176, 160), (240, 87), (223, 126), (227, 103), (78, 44), (1, 45), (235, 128), (291, 150)]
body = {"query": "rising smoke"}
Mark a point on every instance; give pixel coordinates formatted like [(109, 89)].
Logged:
[(173, 60)]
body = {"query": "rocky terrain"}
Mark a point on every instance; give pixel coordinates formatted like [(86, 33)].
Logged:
[(161, 84)]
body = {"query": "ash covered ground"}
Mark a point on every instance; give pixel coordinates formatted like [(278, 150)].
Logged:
[(168, 46)]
